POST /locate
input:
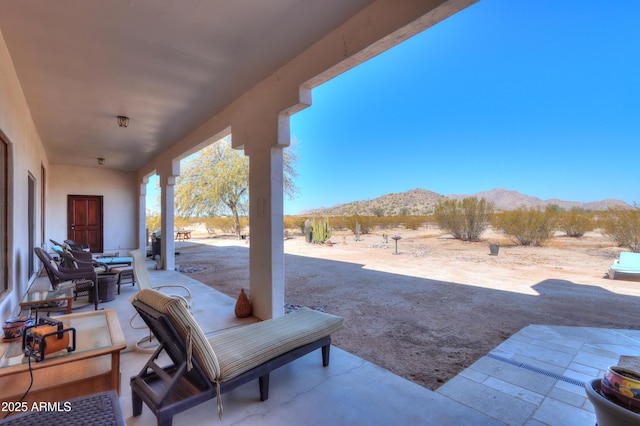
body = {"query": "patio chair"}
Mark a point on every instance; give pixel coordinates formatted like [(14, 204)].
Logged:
[(77, 246), (204, 368), (141, 277), (82, 279), (55, 243), (104, 262), (76, 259)]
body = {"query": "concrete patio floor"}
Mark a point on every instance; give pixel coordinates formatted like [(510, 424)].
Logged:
[(533, 378)]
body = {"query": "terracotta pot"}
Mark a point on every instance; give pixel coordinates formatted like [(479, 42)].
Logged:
[(243, 305)]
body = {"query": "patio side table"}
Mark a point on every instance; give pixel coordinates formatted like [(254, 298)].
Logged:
[(93, 367), (49, 300), (106, 287)]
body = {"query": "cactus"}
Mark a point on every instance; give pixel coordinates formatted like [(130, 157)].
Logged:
[(320, 230), (307, 231)]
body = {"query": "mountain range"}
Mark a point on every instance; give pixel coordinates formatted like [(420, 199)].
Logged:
[(422, 202)]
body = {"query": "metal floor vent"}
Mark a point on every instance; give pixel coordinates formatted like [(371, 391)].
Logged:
[(537, 370)]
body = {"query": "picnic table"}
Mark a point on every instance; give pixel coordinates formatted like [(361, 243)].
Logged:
[(183, 234)]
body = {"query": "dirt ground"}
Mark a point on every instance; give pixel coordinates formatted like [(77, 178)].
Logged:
[(438, 304)]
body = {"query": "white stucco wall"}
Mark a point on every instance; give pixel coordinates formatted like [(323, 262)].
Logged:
[(120, 202), (26, 156)]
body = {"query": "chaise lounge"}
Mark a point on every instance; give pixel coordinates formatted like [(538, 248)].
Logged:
[(628, 263), (205, 368)]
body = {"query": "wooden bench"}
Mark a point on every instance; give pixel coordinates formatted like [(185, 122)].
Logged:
[(222, 362)]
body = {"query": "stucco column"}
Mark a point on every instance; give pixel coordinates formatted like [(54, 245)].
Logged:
[(167, 214), (263, 137), (266, 265), (142, 215)]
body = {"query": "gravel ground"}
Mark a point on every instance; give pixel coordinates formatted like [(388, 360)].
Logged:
[(439, 304)]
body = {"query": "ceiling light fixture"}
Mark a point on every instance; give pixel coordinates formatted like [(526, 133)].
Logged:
[(123, 121), (101, 161)]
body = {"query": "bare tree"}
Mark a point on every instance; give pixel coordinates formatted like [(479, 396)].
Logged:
[(215, 182)]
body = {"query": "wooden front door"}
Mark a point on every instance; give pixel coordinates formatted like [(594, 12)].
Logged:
[(84, 221)]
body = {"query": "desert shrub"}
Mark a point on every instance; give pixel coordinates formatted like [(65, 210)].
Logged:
[(575, 223), (430, 221), (180, 222), (623, 226), (467, 219), (555, 208), (365, 222), (225, 224), (152, 222), (383, 222), (413, 222), (396, 221), (377, 211), (338, 223), (244, 222), (525, 226), (294, 222), (209, 222)]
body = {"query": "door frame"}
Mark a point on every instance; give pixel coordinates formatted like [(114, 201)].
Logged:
[(99, 246)]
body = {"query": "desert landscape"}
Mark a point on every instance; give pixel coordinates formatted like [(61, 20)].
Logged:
[(439, 304)]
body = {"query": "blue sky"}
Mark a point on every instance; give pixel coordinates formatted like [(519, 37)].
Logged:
[(536, 96)]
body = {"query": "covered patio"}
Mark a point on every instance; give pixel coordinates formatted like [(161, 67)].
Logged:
[(185, 74), (99, 96), (535, 377)]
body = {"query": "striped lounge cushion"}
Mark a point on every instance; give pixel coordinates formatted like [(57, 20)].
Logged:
[(231, 353), (186, 327), (241, 349)]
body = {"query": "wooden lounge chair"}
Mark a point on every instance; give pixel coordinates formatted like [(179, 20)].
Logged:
[(628, 263), (204, 368)]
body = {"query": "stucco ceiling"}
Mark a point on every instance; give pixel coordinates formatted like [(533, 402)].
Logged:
[(167, 64)]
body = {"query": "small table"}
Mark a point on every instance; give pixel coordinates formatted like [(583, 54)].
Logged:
[(629, 361), (93, 367), (49, 300), (106, 287)]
